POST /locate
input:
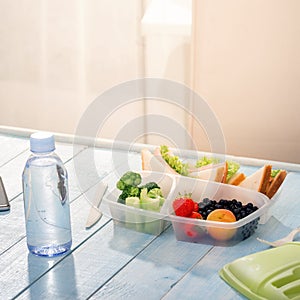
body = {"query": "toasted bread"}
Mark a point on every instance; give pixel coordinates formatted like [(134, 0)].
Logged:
[(225, 172), (258, 181), (276, 183), (236, 179)]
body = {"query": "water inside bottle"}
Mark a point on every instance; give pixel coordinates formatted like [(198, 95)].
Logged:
[(47, 209)]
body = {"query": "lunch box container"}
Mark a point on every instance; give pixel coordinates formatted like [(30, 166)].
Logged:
[(189, 229)]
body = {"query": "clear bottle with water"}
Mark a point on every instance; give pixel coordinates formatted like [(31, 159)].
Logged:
[(46, 199)]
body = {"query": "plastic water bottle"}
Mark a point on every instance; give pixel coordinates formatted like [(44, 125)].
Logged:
[(46, 199)]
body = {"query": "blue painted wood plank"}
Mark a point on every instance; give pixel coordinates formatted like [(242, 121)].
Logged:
[(181, 256), (113, 262), (204, 275), (154, 271), (12, 228), (11, 147), (89, 266), (14, 256), (11, 172), (16, 262)]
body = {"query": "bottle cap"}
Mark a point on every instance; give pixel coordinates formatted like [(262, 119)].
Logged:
[(42, 142)]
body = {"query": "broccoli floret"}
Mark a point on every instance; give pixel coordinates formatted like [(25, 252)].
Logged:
[(129, 191), (151, 200), (122, 197), (121, 185), (150, 185), (129, 185), (154, 193), (129, 179)]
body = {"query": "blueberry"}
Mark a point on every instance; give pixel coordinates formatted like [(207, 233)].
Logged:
[(209, 211), (201, 205), (249, 211), (205, 200), (222, 202), (249, 205), (248, 229)]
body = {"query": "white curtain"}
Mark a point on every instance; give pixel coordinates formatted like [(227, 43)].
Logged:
[(246, 64)]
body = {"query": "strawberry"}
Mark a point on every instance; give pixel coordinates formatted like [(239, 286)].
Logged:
[(183, 206), (193, 231), (196, 206), (190, 230), (196, 215)]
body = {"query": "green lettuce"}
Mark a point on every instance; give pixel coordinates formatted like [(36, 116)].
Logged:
[(274, 173), (174, 161), (204, 161), (233, 167)]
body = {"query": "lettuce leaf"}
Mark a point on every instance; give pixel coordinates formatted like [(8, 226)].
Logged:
[(233, 167), (174, 161), (274, 173), (204, 161)]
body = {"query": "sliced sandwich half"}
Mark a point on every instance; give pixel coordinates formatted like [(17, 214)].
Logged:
[(171, 164), (259, 180), (264, 181), (216, 172), (236, 179), (275, 183), (151, 162)]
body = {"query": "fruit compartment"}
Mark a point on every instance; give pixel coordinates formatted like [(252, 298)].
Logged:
[(214, 232), (139, 219)]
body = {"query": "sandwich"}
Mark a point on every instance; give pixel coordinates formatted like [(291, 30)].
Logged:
[(276, 179), (265, 180), (163, 160), (215, 172), (236, 178), (259, 180), (154, 162)]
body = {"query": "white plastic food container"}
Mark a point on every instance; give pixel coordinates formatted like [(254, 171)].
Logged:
[(214, 232), (138, 219)]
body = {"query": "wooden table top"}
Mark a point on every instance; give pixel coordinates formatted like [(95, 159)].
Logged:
[(109, 261)]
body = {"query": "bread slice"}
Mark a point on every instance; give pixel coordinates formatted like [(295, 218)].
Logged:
[(236, 179), (155, 163), (276, 183), (225, 172), (258, 181), (216, 173)]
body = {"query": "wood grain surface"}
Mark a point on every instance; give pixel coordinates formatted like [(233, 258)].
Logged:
[(109, 261)]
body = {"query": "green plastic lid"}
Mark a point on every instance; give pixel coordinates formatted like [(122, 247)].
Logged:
[(269, 274)]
